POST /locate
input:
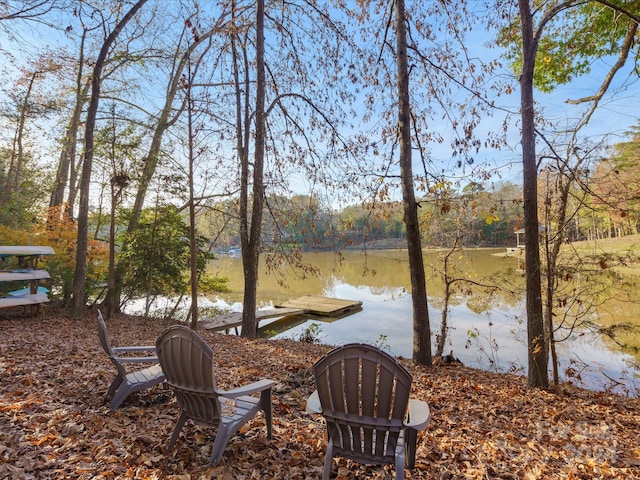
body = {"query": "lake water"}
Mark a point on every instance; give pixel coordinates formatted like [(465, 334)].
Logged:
[(488, 329)]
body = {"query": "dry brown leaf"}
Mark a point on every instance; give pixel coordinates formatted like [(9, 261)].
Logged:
[(55, 422)]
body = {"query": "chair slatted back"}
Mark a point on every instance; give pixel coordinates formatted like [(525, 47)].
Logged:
[(364, 394), (103, 335), (187, 362)]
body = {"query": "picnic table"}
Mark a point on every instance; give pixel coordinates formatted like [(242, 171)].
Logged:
[(33, 295)]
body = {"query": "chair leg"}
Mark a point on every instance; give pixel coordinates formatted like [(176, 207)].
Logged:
[(114, 385), (176, 431), (265, 402), (400, 467), (400, 456), (120, 396), (410, 438), (222, 438), (328, 458)]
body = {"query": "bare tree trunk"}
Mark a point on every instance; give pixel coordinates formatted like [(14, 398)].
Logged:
[(73, 184), (80, 277), (538, 356), (68, 152), (441, 340), (193, 248), (251, 234), (116, 193), (152, 158), (551, 254), (14, 173), (421, 327), (15, 188)]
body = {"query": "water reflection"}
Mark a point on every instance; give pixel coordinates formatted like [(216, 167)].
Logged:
[(488, 328)]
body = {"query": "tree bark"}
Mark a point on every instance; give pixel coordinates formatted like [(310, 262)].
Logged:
[(538, 356), (421, 327), (193, 248), (251, 234)]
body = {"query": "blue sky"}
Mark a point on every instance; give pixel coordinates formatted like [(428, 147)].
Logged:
[(617, 113)]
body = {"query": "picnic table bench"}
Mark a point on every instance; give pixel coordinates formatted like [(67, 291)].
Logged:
[(33, 295)]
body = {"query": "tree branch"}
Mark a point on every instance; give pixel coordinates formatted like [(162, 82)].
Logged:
[(622, 59)]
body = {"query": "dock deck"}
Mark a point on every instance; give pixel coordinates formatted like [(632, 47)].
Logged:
[(307, 305), (325, 306)]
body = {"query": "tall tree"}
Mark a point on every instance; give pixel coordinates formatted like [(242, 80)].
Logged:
[(421, 328), (31, 103), (79, 278), (66, 172), (558, 70), (251, 219), (116, 153), (538, 355), (193, 246), (285, 135), (17, 160), (447, 97)]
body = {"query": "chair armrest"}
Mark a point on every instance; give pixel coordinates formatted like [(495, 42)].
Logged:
[(418, 415), (255, 387), (141, 348), (137, 359), (313, 403)]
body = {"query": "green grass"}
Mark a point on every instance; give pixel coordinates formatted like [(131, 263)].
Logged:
[(617, 245), (627, 248)]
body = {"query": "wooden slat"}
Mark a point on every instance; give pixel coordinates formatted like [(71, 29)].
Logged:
[(15, 275), (24, 251), (32, 299)]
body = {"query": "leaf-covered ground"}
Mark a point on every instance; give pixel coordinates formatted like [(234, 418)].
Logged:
[(55, 422)]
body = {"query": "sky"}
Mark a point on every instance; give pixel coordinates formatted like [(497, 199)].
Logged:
[(615, 116)]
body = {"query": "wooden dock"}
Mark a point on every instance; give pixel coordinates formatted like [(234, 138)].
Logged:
[(230, 320), (307, 305), (325, 306)]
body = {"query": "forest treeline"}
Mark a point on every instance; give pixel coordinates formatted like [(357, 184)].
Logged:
[(604, 204)]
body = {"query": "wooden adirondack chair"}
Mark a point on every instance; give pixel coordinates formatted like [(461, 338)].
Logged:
[(129, 381), (363, 393), (187, 361)]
